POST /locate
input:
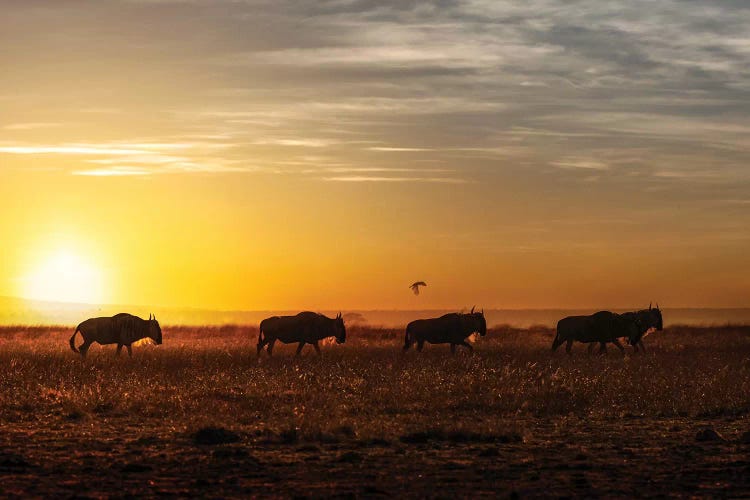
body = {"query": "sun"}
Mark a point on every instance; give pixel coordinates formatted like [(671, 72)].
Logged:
[(64, 276)]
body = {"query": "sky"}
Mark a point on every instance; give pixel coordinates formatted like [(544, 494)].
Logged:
[(320, 155)]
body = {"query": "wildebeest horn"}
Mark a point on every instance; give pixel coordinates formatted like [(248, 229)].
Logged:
[(649, 306), (472, 309), (657, 305)]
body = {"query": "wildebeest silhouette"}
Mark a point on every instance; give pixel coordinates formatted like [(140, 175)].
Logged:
[(305, 327), (452, 328), (122, 329), (645, 319)]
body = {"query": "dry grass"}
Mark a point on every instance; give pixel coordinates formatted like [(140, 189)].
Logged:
[(368, 391), (368, 385)]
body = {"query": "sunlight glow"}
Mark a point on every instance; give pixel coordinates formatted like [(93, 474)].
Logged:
[(64, 277)]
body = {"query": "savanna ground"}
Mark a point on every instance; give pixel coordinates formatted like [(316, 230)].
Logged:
[(201, 416)]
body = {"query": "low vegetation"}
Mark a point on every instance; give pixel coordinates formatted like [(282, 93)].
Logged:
[(205, 386)]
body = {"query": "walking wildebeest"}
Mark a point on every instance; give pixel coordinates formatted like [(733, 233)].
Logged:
[(645, 319), (306, 328), (452, 328), (122, 329), (601, 327)]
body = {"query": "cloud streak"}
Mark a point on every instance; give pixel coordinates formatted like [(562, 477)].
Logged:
[(369, 178)]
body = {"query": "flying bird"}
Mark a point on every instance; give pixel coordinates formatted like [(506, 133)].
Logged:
[(415, 286)]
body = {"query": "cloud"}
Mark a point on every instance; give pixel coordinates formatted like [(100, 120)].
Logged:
[(77, 149), (398, 150), (302, 142), (582, 163), (138, 158), (367, 178), (623, 88), (114, 172), (31, 125)]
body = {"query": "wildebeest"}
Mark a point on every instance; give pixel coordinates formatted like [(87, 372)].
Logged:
[(306, 328), (645, 319), (602, 327), (122, 329), (452, 328)]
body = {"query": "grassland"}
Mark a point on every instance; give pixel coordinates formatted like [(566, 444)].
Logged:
[(201, 415)]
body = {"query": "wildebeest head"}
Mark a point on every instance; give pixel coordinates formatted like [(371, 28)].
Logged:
[(477, 322), (651, 318), (154, 330), (339, 329)]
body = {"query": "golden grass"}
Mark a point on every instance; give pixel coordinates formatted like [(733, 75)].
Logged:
[(368, 387)]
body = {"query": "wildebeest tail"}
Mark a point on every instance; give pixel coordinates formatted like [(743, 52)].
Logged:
[(556, 342), (407, 338), (73, 338)]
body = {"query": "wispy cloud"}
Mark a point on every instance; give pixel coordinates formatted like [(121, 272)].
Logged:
[(32, 125), (367, 178), (138, 158), (114, 172), (398, 150), (78, 149), (307, 143), (583, 163)]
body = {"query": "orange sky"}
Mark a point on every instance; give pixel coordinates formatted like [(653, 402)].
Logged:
[(234, 155)]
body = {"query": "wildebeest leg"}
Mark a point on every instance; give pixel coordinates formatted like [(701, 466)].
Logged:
[(640, 343), (270, 347), (299, 348), (453, 348), (261, 344), (466, 344), (317, 348), (568, 346), (619, 346), (556, 342), (84, 348), (420, 345), (130, 351), (602, 348), (119, 348)]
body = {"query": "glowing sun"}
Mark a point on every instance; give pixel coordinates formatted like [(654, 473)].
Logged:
[(64, 276)]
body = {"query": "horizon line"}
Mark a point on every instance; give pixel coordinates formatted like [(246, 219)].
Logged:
[(283, 309)]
